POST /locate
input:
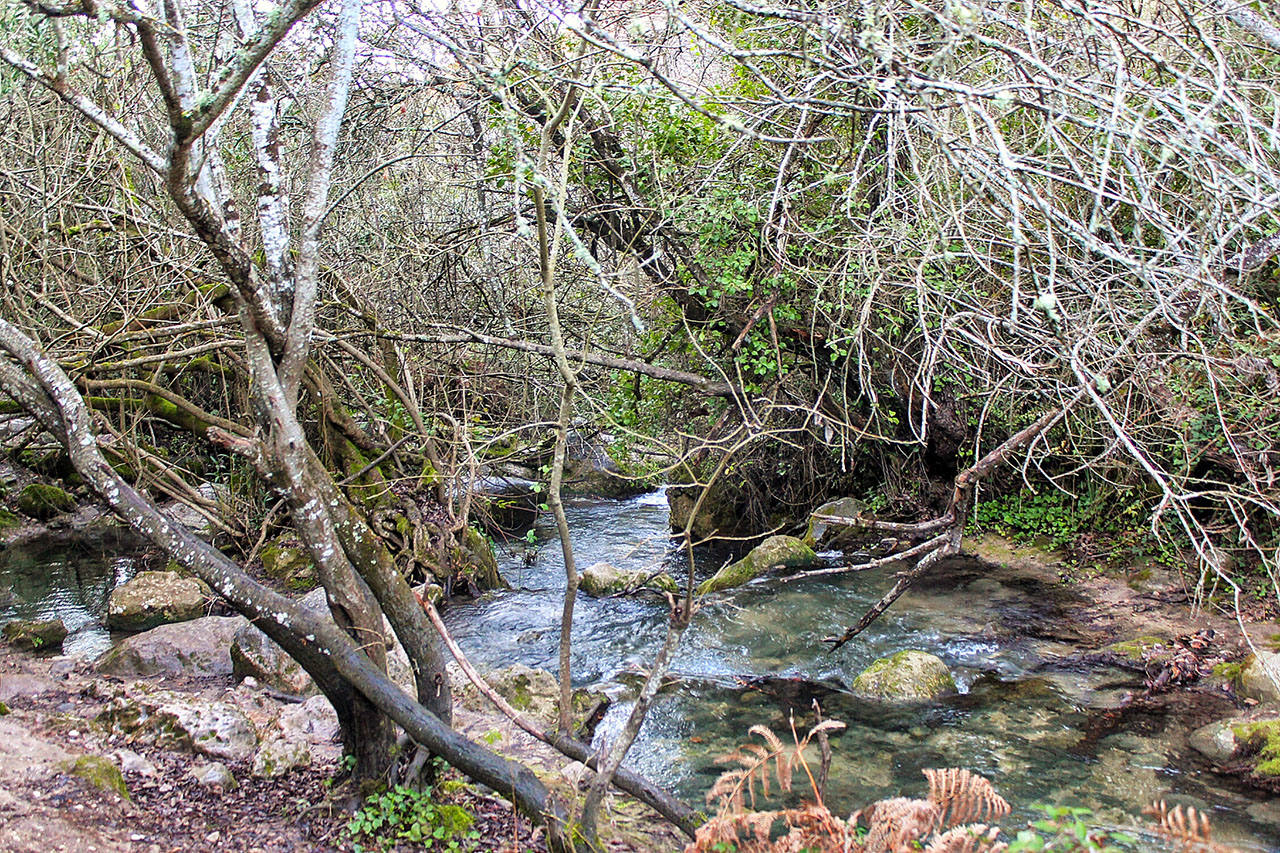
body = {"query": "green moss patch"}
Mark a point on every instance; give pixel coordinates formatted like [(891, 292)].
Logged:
[(42, 502), (1263, 739), (99, 772)]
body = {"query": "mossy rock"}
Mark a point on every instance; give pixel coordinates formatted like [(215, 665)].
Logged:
[(290, 564), (829, 535), (1136, 650), (9, 519), (1259, 677), (100, 772), (35, 635), (1262, 739), (909, 674), (476, 553), (718, 516), (42, 501), (776, 552), (603, 579)]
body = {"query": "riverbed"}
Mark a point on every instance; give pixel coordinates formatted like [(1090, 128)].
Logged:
[(1027, 714)]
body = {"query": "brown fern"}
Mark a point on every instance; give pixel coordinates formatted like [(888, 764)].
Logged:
[(1185, 826), (897, 824), (971, 838), (963, 797)]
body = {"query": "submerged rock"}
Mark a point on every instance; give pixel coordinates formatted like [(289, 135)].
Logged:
[(909, 674), (776, 552), (216, 729), (604, 579), (151, 599), (199, 647), (35, 635)]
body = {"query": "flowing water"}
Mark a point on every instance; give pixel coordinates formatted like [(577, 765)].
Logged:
[(1028, 715)]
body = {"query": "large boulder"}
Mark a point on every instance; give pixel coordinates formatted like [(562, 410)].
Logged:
[(909, 674), (35, 634), (591, 471), (217, 729), (825, 534), (603, 579), (776, 552), (255, 655), (719, 514), (200, 647), (507, 504), (1260, 677), (150, 599)]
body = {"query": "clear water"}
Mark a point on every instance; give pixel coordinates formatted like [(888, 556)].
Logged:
[(68, 584), (1026, 716), (1021, 716)]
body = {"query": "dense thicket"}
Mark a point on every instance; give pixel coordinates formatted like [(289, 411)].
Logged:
[(917, 253)]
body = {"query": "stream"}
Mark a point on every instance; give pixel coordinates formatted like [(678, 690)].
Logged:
[(1020, 718), (1025, 715)]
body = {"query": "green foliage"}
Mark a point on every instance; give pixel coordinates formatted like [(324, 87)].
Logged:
[(1068, 829), (404, 814), (1043, 516)]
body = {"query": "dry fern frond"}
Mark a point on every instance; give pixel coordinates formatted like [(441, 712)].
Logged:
[(1184, 825), (963, 797), (814, 828), (898, 823), (971, 838), (747, 832)]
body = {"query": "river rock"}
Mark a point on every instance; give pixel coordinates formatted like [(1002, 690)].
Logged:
[(100, 772), (213, 774), (776, 552), (506, 504), (719, 514), (254, 655), (313, 722), (826, 534), (590, 470), (1216, 741), (288, 562), (603, 579), (212, 728), (200, 647), (277, 757), (42, 502), (150, 599), (535, 692), (35, 635), (1260, 677), (909, 674)]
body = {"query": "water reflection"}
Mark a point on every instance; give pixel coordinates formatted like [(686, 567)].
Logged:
[(68, 584), (757, 657)]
